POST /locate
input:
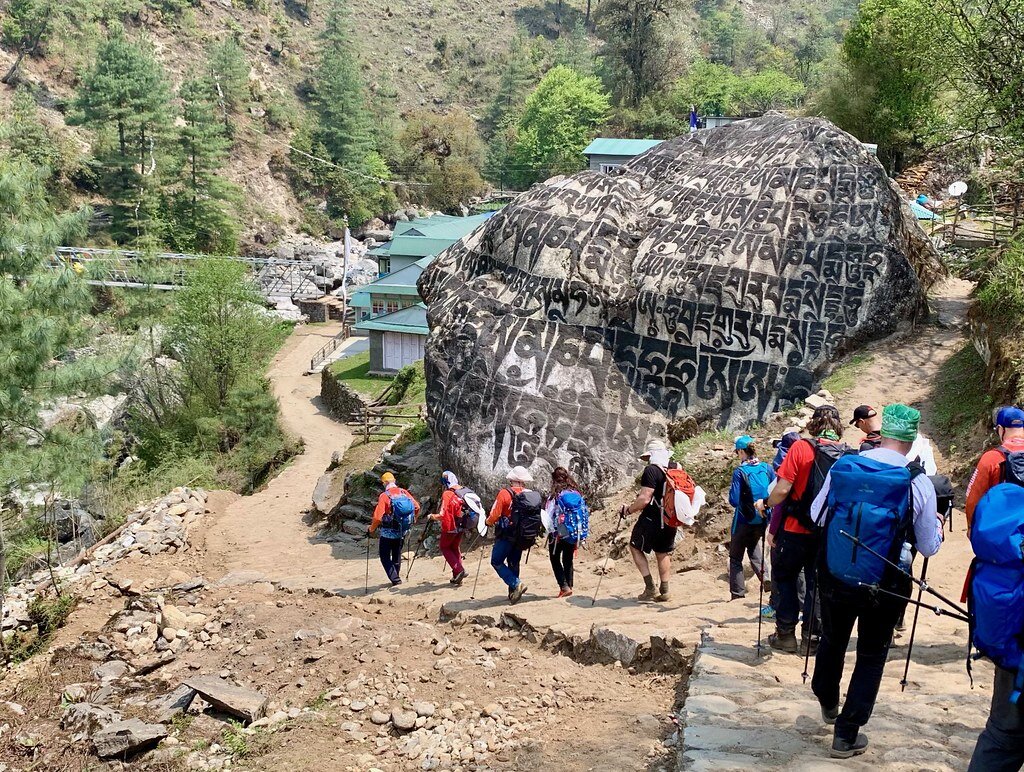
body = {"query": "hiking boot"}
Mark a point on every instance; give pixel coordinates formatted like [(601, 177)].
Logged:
[(785, 642), (648, 594), (517, 593), (767, 586), (395, 582), (661, 597), (841, 749), (829, 715), (565, 592), (459, 578), (812, 643), (737, 597)]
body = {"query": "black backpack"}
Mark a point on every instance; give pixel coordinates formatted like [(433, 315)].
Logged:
[(943, 497), (1012, 467), (525, 520), (825, 455)]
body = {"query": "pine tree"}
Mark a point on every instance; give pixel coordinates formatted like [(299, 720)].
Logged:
[(203, 220), (339, 95), (229, 76), (125, 99)]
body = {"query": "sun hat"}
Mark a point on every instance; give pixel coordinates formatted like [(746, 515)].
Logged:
[(520, 474), (449, 479), (654, 446), (387, 477)]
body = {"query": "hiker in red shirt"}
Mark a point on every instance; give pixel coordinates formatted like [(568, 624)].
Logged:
[(1009, 425), (517, 522), (792, 532), (448, 517), (394, 514)]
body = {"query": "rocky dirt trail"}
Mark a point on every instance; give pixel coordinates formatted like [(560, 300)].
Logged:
[(745, 712)]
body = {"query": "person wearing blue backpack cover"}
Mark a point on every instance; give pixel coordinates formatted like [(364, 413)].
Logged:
[(394, 515), (884, 502), (570, 527), (995, 590), (750, 483)]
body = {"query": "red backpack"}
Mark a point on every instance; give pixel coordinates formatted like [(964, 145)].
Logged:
[(677, 483)]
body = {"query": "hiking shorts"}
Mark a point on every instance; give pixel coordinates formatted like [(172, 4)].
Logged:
[(652, 535)]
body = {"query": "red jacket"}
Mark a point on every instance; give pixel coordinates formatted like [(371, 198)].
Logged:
[(988, 474)]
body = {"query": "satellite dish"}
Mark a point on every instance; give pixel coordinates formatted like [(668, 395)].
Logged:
[(958, 188)]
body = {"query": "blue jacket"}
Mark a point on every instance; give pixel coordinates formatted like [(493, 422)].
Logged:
[(736, 490)]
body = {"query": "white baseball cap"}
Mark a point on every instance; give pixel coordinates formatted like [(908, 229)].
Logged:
[(654, 447)]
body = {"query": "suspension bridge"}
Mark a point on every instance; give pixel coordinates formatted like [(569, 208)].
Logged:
[(277, 279)]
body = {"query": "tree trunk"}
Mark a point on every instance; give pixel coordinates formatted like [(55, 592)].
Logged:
[(12, 74), (586, 20)]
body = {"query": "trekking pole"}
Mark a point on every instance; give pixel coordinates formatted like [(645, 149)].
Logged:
[(937, 610), (604, 568), (913, 628), (527, 562), (923, 585), (760, 598), (415, 552), (366, 587), (479, 564), (809, 623)]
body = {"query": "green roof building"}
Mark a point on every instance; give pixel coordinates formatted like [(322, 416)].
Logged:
[(607, 155), (397, 339)]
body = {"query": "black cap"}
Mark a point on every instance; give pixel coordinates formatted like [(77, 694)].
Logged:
[(862, 412)]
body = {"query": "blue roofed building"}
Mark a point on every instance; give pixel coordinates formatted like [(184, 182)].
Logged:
[(607, 155), (397, 339)]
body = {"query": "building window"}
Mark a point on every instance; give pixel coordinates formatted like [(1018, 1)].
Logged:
[(609, 168), (384, 265), (382, 306)]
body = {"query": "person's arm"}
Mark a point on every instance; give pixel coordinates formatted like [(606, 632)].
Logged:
[(981, 481), (502, 506), (927, 520), (735, 488), (779, 493), (801, 453), (643, 498), (379, 511), (415, 507)]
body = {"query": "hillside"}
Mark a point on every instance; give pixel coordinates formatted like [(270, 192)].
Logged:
[(435, 55)]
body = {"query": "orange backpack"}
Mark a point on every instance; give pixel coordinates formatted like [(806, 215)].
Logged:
[(674, 510)]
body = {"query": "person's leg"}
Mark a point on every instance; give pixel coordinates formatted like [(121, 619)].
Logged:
[(499, 557), (445, 544), (515, 557), (387, 550), (639, 547), (874, 634), (554, 553), (396, 559), (812, 603), (754, 553), (737, 545), (1000, 746), (457, 567), (837, 620), (788, 562), (773, 599), (568, 555)]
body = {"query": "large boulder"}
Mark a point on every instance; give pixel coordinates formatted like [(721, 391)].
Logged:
[(717, 276)]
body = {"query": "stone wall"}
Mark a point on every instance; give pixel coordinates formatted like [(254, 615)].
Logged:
[(343, 403)]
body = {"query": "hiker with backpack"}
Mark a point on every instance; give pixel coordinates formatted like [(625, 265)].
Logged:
[(750, 483), (793, 533), (460, 508), (516, 517), (879, 502), (995, 590), (395, 513), (782, 446), (656, 528), (569, 520)]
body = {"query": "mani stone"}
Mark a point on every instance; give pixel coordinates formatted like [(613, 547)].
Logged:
[(238, 701), (124, 738), (713, 279)]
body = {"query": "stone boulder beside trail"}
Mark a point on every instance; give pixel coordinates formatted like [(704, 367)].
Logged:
[(717, 276)]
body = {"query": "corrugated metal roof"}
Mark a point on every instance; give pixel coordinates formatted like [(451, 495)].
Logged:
[(629, 147), (411, 320)]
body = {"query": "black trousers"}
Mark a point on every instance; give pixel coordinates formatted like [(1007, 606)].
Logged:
[(391, 557), (746, 539), (561, 553), (1000, 747), (875, 620), (793, 553)]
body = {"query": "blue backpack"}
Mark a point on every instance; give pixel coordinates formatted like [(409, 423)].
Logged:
[(995, 597), (872, 501), (754, 482), (572, 517), (402, 514)]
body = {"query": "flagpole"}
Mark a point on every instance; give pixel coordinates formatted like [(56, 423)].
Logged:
[(344, 277)]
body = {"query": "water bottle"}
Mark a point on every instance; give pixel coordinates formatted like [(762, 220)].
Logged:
[(906, 558)]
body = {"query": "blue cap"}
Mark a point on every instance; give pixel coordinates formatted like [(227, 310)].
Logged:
[(744, 442), (1010, 418)]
